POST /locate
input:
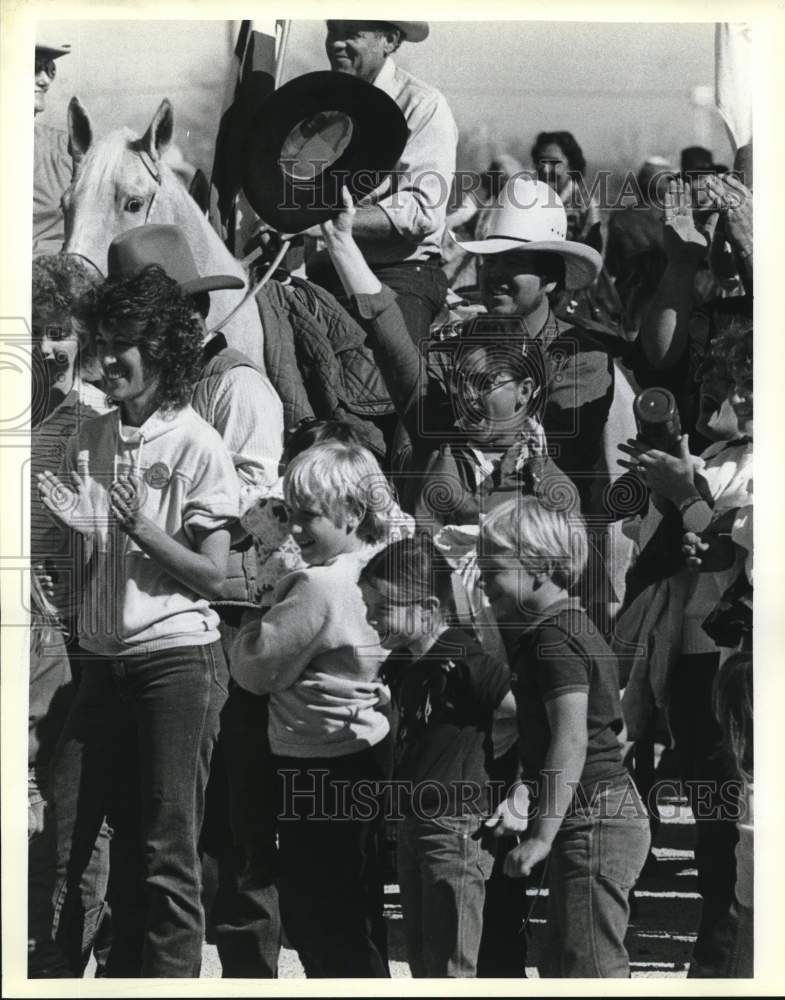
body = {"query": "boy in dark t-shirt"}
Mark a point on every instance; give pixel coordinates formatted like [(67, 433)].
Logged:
[(561, 652), (588, 819), (447, 699), (447, 691)]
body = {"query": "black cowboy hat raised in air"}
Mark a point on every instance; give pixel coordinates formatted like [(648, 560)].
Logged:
[(310, 137)]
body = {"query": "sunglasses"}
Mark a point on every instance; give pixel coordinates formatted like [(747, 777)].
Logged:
[(474, 388), (47, 65)]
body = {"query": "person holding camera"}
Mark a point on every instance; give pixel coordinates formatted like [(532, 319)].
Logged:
[(676, 329), (708, 501)]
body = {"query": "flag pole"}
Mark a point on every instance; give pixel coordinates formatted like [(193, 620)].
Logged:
[(279, 55)]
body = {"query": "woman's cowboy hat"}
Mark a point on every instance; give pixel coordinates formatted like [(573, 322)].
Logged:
[(132, 251), (530, 216), (310, 137)]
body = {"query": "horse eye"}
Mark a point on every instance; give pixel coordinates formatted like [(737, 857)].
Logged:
[(134, 205)]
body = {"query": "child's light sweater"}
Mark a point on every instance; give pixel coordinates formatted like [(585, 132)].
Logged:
[(318, 658)]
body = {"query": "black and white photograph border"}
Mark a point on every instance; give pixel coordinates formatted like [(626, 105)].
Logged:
[(126, 87)]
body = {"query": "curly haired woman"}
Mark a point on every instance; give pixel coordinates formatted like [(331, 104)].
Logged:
[(63, 360), (150, 494)]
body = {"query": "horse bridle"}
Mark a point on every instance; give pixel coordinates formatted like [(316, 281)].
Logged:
[(152, 170)]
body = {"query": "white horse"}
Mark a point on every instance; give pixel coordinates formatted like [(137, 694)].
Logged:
[(121, 182)]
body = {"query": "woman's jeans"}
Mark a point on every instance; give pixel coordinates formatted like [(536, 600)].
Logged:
[(136, 749), (442, 872), (595, 860)]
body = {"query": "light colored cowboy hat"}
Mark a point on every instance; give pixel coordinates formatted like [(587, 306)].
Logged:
[(529, 215), (135, 249), (46, 47), (412, 31)]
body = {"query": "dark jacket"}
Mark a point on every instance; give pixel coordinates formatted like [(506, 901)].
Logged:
[(317, 359)]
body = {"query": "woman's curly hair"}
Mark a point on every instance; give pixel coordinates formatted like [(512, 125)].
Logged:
[(567, 143), (731, 352), (157, 318)]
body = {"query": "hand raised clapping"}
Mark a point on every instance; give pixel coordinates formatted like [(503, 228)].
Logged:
[(125, 503), (69, 503), (684, 242), (730, 197)]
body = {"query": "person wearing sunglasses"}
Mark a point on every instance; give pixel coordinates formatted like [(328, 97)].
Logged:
[(52, 164)]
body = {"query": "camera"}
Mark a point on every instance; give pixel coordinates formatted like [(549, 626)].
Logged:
[(657, 417)]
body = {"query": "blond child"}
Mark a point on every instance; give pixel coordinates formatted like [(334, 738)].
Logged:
[(318, 658), (589, 821)]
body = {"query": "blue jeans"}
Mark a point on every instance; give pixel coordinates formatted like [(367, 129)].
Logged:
[(442, 873), (246, 921), (331, 890), (420, 288), (136, 749), (238, 836), (595, 861), (51, 697)]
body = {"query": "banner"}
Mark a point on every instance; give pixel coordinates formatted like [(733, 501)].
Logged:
[(733, 80), (258, 51)]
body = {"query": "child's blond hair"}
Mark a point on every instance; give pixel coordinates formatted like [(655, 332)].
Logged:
[(341, 480), (542, 539)]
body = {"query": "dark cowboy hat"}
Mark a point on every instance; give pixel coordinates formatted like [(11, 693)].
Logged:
[(50, 51), (298, 130), (166, 246)]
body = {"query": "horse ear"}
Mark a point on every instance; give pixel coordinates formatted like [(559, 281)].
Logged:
[(80, 135), (159, 134)]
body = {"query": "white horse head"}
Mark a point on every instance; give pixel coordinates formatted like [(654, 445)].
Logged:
[(122, 181)]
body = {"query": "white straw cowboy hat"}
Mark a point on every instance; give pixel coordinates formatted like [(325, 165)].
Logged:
[(412, 31), (530, 216)]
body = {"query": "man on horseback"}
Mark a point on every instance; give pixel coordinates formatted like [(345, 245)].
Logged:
[(400, 227)]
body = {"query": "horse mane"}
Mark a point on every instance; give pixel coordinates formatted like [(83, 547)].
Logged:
[(178, 207)]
